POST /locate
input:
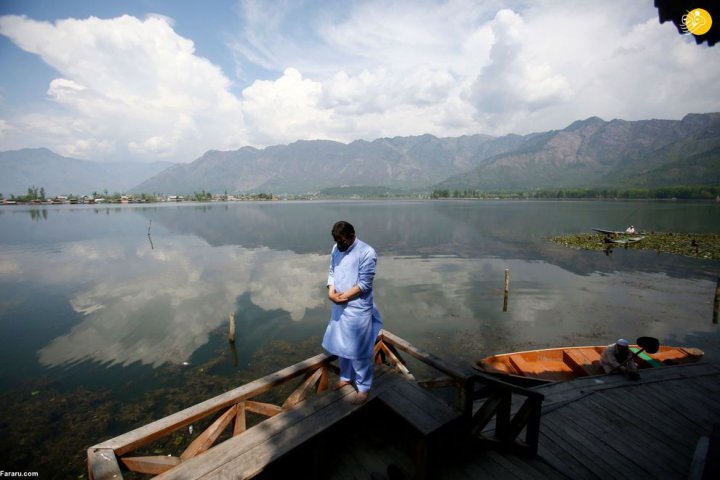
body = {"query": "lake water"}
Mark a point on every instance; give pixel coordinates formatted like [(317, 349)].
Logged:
[(104, 327)]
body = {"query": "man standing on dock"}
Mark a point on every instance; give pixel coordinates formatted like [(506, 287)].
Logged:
[(355, 321)]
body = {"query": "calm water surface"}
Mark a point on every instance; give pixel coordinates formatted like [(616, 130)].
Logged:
[(93, 308)]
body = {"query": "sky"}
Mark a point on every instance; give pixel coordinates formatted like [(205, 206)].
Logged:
[(146, 80)]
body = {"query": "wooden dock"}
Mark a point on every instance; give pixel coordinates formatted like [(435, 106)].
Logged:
[(591, 428), (456, 424), (611, 427)]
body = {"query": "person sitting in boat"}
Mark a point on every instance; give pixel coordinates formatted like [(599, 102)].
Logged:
[(617, 359), (630, 229)]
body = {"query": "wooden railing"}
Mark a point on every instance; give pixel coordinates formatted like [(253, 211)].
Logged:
[(106, 460), (498, 402), (471, 387)]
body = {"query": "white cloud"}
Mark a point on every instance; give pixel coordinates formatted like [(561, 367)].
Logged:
[(133, 84), (360, 70), (286, 108), (514, 81)]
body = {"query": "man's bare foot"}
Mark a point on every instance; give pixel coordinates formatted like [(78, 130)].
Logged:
[(359, 398), (340, 384)]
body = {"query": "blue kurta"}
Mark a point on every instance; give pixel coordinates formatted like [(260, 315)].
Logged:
[(354, 325)]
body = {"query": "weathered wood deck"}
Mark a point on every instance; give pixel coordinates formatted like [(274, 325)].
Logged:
[(611, 427), (591, 428)]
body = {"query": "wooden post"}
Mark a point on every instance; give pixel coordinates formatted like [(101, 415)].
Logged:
[(716, 307), (231, 334), (507, 289)]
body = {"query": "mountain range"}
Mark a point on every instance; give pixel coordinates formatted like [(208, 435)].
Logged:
[(588, 153), (591, 153), (60, 175)]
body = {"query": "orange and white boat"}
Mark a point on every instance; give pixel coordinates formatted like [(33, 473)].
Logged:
[(568, 363)]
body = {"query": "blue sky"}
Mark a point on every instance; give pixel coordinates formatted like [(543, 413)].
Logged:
[(143, 80)]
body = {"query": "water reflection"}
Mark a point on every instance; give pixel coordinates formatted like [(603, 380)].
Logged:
[(37, 214), (440, 275), (160, 305), (467, 229), (166, 315)]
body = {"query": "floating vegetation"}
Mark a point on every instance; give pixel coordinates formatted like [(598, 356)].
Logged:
[(697, 245)]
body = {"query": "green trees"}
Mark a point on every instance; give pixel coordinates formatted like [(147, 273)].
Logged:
[(675, 192)]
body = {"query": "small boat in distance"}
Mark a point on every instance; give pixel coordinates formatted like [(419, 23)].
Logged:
[(567, 363), (619, 237), (609, 232)]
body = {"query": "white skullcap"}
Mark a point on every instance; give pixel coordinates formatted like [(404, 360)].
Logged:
[(622, 342)]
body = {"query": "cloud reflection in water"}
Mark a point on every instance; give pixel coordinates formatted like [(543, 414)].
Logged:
[(158, 306)]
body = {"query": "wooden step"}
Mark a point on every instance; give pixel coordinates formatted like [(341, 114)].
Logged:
[(420, 408)]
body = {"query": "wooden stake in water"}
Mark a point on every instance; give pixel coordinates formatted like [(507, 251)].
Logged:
[(507, 289), (231, 334), (716, 307)]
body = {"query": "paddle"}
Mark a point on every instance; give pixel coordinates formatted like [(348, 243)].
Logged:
[(646, 344)]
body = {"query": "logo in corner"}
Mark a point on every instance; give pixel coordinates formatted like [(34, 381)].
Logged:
[(697, 22)]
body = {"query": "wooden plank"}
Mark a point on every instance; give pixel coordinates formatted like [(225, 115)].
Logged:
[(426, 401), (708, 386), (423, 356), (415, 416), (638, 444), (706, 406), (377, 349), (103, 464), (397, 363), (611, 445), (563, 446), (486, 467), (486, 412), (660, 417), (240, 420), (302, 391), (134, 439), (655, 404), (153, 465), (514, 467), (438, 382), (395, 352), (560, 460), (663, 426), (521, 418), (262, 408), (322, 384), (676, 405), (208, 437), (521, 366), (577, 362)]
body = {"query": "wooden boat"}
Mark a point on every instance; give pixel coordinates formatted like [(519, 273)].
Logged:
[(619, 237), (609, 232), (567, 363)]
